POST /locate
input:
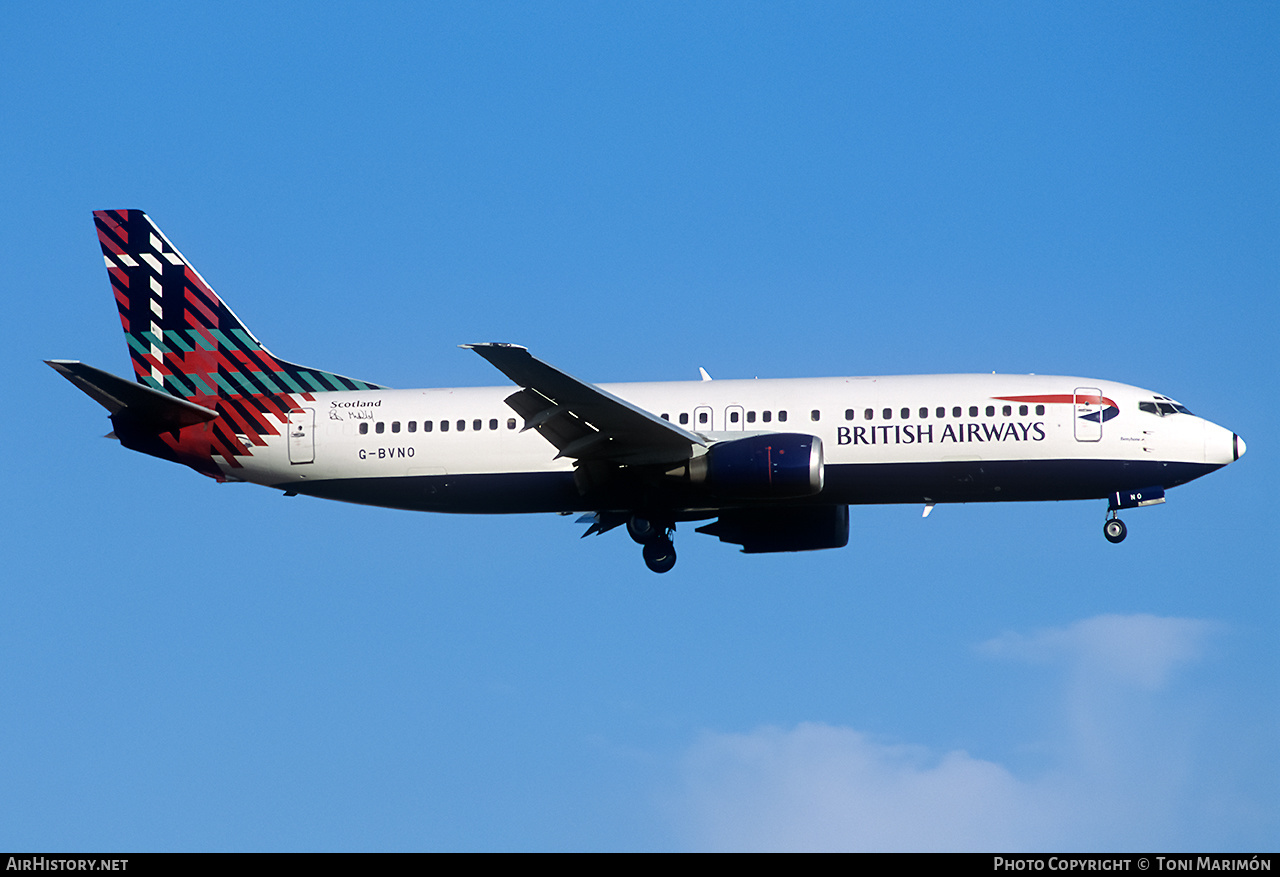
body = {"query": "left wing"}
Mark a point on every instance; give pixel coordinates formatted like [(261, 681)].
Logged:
[(583, 421)]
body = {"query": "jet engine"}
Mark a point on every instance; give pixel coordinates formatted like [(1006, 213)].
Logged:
[(772, 466)]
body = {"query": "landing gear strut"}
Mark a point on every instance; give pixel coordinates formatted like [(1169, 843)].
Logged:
[(1115, 530), (658, 550)]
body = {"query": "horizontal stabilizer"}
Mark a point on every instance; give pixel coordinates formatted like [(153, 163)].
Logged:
[(144, 405)]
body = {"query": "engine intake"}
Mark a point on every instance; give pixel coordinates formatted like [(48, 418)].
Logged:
[(776, 465)]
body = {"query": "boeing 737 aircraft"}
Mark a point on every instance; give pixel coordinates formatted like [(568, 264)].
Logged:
[(773, 464)]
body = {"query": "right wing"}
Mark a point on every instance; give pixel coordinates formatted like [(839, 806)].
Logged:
[(583, 421)]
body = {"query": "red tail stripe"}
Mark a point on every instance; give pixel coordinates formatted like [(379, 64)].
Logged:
[(195, 302), (109, 244), (241, 423), (196, 283)]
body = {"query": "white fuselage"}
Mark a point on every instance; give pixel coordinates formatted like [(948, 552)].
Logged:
[(949, 429)]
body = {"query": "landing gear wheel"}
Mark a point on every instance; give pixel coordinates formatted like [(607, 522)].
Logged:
[(1115, 531), (642, 530), (660, 555)]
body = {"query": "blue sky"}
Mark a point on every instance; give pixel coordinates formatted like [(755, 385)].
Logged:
[(634, 191)]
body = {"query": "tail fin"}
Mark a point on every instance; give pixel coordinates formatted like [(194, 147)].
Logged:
[(182, 338), (185, 342)]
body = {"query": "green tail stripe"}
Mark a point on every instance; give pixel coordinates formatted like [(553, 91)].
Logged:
[(244, 382), (201, 384), (174, 381), (284, 378), (248, 342), (222, 382), (227, 343), (198, 339), (271, 385), (315, 385), (136, 344), (151, 338)]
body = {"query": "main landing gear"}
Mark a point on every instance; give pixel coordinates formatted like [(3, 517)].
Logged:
[(655, 538), (1115, 530)]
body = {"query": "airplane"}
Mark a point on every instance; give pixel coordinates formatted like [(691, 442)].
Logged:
[(773, 464)]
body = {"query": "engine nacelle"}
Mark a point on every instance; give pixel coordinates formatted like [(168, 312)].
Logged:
[(777, 465), (795, 528)]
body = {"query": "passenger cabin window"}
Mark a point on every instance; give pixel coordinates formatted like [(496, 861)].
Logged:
[(444, 426), (782, 417), (940, 411), (395, 426), (733, 417), (887, 413), (1008, 409), (493, 423), (364, 427), (991, 411), (1022, 410), (766, 416), (684, 419), (1039, 410), (665, 416), (477, 424), (413, 426), (955, 412), (380, 428), (868, 414), (815, 415), (427, 424), (906, 413), (973, 410), (511, 423), (848, 414), (751, 417), (924, 413)]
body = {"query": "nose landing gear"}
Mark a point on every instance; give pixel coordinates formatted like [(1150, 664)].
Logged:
[(655, 538), (1115, 530)]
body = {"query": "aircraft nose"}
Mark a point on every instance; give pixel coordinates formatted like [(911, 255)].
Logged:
[(1221, 445)]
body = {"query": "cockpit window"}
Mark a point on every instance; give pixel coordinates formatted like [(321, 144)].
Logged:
[(1163, 407)]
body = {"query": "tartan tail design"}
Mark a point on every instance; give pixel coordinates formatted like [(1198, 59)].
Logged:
[(185, 341)]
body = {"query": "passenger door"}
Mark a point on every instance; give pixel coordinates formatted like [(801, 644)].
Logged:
[(1088, 414), (302, 448)]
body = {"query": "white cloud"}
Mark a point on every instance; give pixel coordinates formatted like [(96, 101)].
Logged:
[(1122, 753), (1137, 650)]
